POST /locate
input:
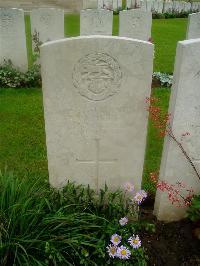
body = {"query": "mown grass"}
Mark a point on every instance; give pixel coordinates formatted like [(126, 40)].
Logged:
[(22, 135), (154, 141)]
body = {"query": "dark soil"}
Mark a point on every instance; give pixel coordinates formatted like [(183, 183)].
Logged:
[(155, 83), (172, 244)]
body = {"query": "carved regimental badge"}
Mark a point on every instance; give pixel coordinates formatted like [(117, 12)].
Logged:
[(97, 76)]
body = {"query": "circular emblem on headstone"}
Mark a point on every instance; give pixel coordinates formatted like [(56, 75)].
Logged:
[(97, 76)]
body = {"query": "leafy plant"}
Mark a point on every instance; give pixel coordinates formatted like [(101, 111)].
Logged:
[(10, 77), (164, 78), (168, 15), (194, 209), (43, 226)]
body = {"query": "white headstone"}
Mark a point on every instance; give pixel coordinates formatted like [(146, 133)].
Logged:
[(13, 38), (168, 7), (193, 29), (115, 4), (135, 24), (96, 22), (108, 4), (185, 110), (100, 4), (149, 5), (176, 6), (143, 5), (119, 4), (90, 4), (128, 4), (48, 23), (94, 89), (160, 7)]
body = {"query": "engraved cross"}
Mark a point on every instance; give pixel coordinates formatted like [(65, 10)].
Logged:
[(97, 161)]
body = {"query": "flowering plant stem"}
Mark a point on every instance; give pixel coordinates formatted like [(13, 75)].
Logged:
[(170, 133)]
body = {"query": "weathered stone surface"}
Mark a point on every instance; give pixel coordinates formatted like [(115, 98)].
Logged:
[(96, 22), (128, 4), (48, 23), (135, 24), (13, 38), (115, 4), (94, 91), (100, 4), (193, 30), (73, 5), (119, 4), (185, 110), (90, 4), (108, 4)]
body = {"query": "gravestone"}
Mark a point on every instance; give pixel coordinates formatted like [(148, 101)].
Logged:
[(100, 4), (149, 5), (90, 4), (193, 29), (13, 38), (115, 4), (48, 23), (129, 4), (96, 22), (143, 6), (135, 24), (119, 2), (185, 110), (95, 116), (108, 4)]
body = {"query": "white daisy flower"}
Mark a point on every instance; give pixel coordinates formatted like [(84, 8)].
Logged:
[(115, 239), (123, 253), (135, 241), (112, 251), (140, 196), (129, 187), (123, 221), (143, 193)]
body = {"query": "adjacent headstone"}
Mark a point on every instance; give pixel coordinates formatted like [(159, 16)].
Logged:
[(176, 6), (115, 4), (149, 5), (193, 29), (168, 7), (94, 89), (48, 24), (108, 4), (119, 4), (143, 6), (13, 38), (96, 22), (185, 110), (90, 4), (100, 4), (129, 4), (135, 24)]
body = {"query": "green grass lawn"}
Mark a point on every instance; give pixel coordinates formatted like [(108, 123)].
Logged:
[(22, 134)]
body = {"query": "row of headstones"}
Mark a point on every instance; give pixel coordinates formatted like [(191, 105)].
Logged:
[(152, 6), (48, 25), (94, 90)]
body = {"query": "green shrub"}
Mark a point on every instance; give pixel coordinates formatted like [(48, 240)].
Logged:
[(168, 15), (10, 77), (42, 226), (194, 209), (165, 79)]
